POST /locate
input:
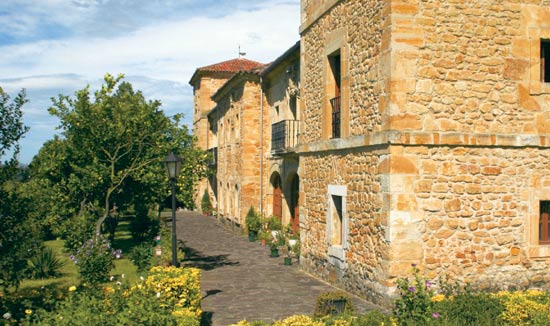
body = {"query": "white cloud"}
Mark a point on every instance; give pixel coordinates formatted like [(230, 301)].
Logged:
[(157, 50)]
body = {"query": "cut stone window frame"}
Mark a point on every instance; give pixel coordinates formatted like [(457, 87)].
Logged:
[(539, 43), (335, 46), (536, 249), (336, 251)]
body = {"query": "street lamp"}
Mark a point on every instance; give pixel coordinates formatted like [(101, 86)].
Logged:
[(173, 166)]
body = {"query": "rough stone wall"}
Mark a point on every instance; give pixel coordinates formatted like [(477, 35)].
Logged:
[(464, 66), (367, 253), (364, 23), (238, 174), (448, 118), (477, 205), (203, 103), (279, 86)]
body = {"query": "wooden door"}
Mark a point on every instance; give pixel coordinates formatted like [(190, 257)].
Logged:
[(277, 198)]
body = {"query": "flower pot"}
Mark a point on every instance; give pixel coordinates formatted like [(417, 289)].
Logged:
[(252, 236), (288, 261), (274, 252)]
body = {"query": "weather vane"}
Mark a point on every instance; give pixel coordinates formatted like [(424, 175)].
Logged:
[(241, 54)]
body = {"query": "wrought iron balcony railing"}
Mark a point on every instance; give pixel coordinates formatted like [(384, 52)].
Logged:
[(284, 135), (335, 103)]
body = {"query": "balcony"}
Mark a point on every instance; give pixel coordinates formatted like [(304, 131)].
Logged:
[(335, 103), (284, 135), (213, 157)]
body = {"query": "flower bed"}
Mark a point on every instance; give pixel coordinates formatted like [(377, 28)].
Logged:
[(167, 296)]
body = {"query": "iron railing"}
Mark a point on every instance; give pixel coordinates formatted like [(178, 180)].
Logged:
[(335, 103), (284, 135)]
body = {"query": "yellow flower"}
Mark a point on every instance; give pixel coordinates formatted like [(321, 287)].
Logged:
[(438, 298), (72, 288), (28, 311)]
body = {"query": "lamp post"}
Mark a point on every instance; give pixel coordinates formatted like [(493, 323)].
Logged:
[(173, 166)]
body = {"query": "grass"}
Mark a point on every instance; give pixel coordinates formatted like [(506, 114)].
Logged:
[(69, 273)]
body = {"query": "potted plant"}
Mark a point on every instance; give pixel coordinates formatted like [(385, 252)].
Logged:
[(274, 247), (264, 236), (206, 204), (253, 224)]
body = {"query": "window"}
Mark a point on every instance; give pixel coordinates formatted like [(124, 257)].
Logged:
[(544, 223), (335, 63), (337, 226), (336, 221), (545, 61)]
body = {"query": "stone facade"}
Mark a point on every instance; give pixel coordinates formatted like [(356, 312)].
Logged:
[(442, 155), (240, 120), (281, 82), (206, 81)]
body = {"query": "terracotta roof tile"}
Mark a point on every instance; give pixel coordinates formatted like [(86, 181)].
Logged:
[(233, 65)]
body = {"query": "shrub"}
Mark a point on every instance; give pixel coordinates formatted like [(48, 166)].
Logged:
[(414, 307), (522, 308), (468, 309), (143, 226), (298, 320), (333, 303), (45, 264), (252, 221), (371, 318), (94, 260), (206, 204), (78, 230), (141, 256), (169, 296), (274, 223)]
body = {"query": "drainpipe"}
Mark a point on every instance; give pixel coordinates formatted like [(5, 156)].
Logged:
[(261, 147)]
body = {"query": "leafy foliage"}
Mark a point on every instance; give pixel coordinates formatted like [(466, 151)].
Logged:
[(206, 204), (94, 260), (253, 221), (45, 264), (11, 130), (141, 256), (109, 159), (17, 247), (333, 303), (414, 307), (168, 296), (144, 226)]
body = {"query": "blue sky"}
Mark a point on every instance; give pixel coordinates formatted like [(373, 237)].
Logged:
[(50, 47)]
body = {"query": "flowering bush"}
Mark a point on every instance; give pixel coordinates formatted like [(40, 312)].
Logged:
[(530, 307), (415, 304), (168, 296), (94, 260)]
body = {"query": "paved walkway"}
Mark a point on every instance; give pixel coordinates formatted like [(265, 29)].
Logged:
[(240, 280)]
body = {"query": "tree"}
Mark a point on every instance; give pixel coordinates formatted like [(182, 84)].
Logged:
[(11, 130), (116, 144), (15, 244)]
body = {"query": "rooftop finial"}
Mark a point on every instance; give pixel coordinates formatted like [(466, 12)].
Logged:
[(241, 54)]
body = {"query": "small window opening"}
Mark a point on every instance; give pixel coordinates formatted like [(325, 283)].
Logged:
[(544, 225), (545, 60), (336, 221), (335, 67)]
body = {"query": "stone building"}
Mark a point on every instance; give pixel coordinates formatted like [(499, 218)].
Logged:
[(280, 83), (236, 105), (239, 119), (205, 82), (425, 142)]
